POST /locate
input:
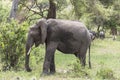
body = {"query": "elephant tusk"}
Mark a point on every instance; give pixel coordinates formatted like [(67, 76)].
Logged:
[(29, 51)]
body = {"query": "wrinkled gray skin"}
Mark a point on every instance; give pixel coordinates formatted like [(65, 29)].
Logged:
[(69, 37)]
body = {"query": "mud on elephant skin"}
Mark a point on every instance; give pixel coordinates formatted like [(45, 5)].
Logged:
[(69, 37)]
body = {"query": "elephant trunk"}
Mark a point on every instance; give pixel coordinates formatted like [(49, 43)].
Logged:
[(29, 45)]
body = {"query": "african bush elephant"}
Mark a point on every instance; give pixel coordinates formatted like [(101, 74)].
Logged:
[(102, 34), (93, 34), (70, 37)]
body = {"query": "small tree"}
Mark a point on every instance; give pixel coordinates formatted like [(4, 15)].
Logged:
[(12, 42)]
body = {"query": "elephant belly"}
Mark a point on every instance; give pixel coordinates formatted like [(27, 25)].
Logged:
[(68, 48)]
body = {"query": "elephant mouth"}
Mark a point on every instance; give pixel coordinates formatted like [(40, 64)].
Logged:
[(37, 43)]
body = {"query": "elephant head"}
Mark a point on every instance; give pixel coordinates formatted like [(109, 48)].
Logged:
[(37, 35)]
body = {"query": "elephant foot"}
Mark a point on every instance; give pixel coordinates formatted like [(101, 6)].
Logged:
[(47, 74), (52, 72), (44, 74), (28, 69)]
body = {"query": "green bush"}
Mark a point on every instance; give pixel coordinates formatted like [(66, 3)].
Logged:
[(79, 71), (105, 73), (12, 43)]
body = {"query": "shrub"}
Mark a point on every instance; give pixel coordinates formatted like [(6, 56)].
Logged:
[(105, 73), (12, 42), (79, 71)]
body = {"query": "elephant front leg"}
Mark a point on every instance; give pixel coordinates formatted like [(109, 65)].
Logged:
[(49, 58), (27, 63), (52, 66)]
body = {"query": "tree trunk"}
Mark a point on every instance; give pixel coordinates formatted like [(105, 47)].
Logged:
[(98, 30), (14, 9), (114, 31), (52, 10)]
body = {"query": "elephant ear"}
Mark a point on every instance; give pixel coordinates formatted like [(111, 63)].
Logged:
[(43, 28)]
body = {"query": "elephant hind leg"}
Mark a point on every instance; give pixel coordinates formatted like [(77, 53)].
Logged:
[(83, 60), (82, 55)]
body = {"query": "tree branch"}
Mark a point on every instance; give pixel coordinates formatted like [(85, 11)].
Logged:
[(30, 9)]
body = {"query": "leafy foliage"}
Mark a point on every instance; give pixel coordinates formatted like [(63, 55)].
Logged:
[(3, 12), (80, 71), (100, 11), (12, 43), (105, 73)]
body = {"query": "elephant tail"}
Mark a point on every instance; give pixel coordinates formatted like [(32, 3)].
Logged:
[(89, 57)]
